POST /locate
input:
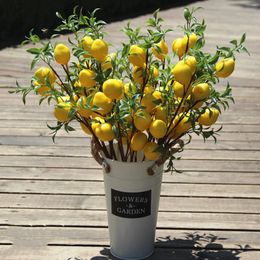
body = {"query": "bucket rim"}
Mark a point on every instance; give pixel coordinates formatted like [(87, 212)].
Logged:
[(148, 162)]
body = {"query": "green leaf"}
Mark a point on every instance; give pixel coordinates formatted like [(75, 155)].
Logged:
[(234, 42), (187, 14), (59, 15), (34, 62), (243, 38), (34, 51)]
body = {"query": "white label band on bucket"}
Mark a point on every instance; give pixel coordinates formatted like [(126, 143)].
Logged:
[(131, 204)]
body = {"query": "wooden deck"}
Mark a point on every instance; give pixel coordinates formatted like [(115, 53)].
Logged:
[(52, 198)]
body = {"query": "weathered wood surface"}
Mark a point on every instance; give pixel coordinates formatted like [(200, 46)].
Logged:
[(52, 197)]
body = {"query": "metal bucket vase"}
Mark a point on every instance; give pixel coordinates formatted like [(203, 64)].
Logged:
[(132, 199)]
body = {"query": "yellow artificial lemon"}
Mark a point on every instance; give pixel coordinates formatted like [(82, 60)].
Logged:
[(179, 47), (197, 105), (182, 126), (87, 78), (62, 99), (201, 92), (113, 88), (67, 98), (157, 95), (160, 50), (182, 73), (138, 141), (45, 75), (96, 122), (138, 74), (86, 44), (77, 84), (99, 50), (142, 120), (61, 111), (79, 89), (148, 101), (85, 129), (209, 117), (104, 132), (148, 89), (85, 112), (106, 64), (178, 89), (225, 67), (127, 88), (103, 102), (155, 72), (158, 128), (127, 136), (137, 56), (61, 54), (41, 89), (129, 119), (192, 40), (160, 113), (192, 62), (150, 151)]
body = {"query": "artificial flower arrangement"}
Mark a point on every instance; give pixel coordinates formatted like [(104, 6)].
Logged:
[(145, 97)]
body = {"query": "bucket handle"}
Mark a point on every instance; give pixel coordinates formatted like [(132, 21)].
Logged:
[(153, 168), (99, 158)]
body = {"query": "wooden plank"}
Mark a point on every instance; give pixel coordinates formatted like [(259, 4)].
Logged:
[(97, 188), (57, 151), (238, 117), (80, 253), (82, 218), (63, 174), (85, 163), (39, 236), (78, 141), (80, 133), (169, 203)]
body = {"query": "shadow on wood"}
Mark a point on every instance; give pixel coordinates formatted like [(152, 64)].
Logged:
[(190, 247)]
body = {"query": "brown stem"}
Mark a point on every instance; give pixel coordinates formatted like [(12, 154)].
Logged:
[(135, 156), (189, 108), (121, 149), (106, 150), (112, 150), (131, 156), (120, 144), (66, 69), (145, 78), (127, 149), (178, 108), (100, 147), (58, 76), (163, 65), (187, 46)]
